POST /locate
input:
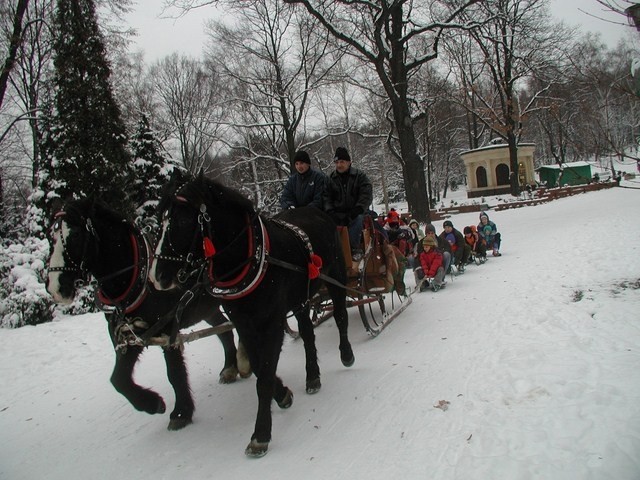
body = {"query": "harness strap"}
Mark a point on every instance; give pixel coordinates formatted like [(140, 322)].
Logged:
[(134, 295), (322, 276)]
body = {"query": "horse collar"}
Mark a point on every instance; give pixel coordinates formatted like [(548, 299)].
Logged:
[(254, 269), (137, 289)]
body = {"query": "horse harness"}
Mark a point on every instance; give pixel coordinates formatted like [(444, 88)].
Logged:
[(127, 330), (245, 277)]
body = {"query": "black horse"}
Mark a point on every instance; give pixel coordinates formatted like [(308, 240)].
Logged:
[(260, 269), (90, 239)]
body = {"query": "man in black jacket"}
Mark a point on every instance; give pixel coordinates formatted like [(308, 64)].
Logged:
[(305, 187), (347, 196)]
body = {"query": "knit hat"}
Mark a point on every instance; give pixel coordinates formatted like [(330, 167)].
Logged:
[(413, 220), (451, 238), (447, 223), (342, 154), (429, 228), (484, 214), (302, 156), (429, 242)]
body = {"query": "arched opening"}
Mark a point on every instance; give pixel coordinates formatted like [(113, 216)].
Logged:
[(502, 174), (481, 177)]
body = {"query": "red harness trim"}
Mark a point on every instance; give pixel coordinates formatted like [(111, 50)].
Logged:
[(262, 268), (134, 278), (244, 271)]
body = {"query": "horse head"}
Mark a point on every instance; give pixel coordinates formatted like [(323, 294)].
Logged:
[(90, 240), (73, 243), (205, 232)]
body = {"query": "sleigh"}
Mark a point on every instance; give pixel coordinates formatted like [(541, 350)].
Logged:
[(375, 283)]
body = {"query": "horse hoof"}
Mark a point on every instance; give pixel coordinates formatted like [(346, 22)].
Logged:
[(228, 375), (313, 386), (256, 449), (287, 401), (178, 423), (245, 373), (161, 407), (347, 357)]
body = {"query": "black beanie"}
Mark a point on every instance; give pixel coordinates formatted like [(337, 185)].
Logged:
[(302, 156), (342, 154)]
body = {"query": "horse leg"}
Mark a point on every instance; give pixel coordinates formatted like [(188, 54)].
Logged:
[(264, 353), (142, 399), (242, 360), (311, 353), (182, 414), (229, 372), (338, 297)]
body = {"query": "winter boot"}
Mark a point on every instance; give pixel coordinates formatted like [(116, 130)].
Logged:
[(496, 253)]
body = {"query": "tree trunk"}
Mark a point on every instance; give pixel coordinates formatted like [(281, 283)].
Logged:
[(16, 38), (513, 164)]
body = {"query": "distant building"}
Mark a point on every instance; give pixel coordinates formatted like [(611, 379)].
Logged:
[(571, 173), (488, 169)]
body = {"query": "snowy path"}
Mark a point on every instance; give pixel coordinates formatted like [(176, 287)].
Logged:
[(538, 353)]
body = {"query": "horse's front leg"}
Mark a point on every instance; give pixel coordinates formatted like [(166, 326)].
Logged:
[(311, 353), (141, 398), (265, 353), (182, 414)]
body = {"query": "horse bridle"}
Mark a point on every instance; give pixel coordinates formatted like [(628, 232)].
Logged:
[(132, 297), (81, 271), (191, 267)]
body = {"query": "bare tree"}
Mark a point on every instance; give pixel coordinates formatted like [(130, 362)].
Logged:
[(275, 59), (191, 97), (515, 40), (395, 38), (14, 43)]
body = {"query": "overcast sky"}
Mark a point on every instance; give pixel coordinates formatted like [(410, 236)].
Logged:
[(159, 37)]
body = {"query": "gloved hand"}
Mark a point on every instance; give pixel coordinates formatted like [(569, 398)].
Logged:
[(355, 211)]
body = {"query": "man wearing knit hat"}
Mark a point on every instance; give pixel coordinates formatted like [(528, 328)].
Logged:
[(305, 187), (347, 196)]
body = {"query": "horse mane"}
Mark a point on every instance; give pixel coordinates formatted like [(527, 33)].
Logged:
[(77, 212), (200, 189)]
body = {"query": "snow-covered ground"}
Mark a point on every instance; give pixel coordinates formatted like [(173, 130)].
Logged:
[(537, 354)]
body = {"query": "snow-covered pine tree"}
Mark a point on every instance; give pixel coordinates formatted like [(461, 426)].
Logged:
[(150, 171), (85, 146)]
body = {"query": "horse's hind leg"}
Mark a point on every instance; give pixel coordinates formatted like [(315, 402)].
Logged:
[(311, 353), (229, 372), (182, 414), (338, 297), (235, 360), (142, 399)]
